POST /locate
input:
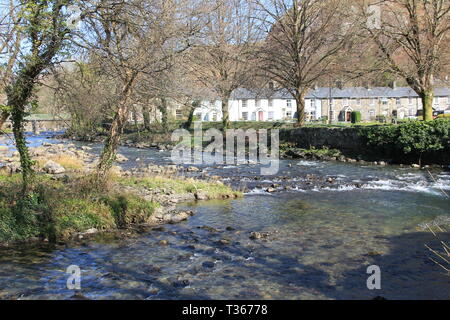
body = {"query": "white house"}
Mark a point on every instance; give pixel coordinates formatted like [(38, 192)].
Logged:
[(263, 105), (336, 103)]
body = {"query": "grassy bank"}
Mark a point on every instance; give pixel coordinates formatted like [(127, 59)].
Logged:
[(179, 186), (57, 209)]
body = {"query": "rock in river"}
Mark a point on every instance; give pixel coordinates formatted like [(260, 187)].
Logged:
[(53, 167)]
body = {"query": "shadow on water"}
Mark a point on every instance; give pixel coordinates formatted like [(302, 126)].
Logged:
[(238, 270)]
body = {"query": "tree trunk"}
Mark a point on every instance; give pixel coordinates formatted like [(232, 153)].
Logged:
[(427, 104), (21, 145), (190, 118), (18, 95), (225, 114), (146, 116), (300, 100), (109, 152), (164, 114)]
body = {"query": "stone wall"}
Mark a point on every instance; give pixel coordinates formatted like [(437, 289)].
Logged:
[(348, 141), (344, 139)]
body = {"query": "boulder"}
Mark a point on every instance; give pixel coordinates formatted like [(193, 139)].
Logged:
[(121, 159), (201, 196), (53, 167)]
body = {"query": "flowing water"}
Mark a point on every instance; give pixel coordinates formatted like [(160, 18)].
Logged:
[(322, 226)]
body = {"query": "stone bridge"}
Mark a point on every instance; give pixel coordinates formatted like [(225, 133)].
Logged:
[(37, 123)]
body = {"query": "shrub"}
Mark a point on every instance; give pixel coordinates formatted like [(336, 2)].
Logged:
[(356, 116), (415, 137)]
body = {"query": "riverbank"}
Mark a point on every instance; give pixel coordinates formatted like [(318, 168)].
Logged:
[(414, 143), (66, 204), (311, 237)]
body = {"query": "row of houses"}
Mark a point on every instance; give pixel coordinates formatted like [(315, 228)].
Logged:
[(323, 102)]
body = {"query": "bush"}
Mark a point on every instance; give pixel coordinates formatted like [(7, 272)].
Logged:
[(413, 137), (356, 116), (56, 210)]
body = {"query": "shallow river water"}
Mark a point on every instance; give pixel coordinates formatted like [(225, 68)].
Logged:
[(320, 239)]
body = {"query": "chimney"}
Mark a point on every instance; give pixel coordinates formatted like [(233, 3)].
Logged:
[(339, 84), (271, 85)]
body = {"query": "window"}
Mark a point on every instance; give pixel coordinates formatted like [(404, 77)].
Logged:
[(436, 100), (253, 116), (358, 102), (244, 103), (289, 114), (270, 116), (384, 101), (411, 112), (214, 117), (245, 115), (258, 103), (448, 100), (373, 101), (345, 102), (372, 113), (410, 100), (398, 102), (288, 104), (270, 103), (179, 114)]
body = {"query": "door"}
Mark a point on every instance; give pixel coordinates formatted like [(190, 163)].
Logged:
[(348, 116), (261, 116)]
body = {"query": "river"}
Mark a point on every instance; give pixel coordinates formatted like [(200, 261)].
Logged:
[(323, 225)]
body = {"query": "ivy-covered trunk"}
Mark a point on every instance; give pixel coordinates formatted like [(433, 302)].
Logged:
[(3, 117), (120, 119), (18, 95)]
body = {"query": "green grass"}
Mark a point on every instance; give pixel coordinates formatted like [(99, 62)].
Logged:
[(56, 210), (213, 190)]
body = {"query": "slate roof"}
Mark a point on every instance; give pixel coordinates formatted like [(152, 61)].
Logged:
[(324, 93)]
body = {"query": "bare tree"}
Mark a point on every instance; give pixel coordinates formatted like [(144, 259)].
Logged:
[(412, 37), (303, 41), (224, 58), (132, 39), (88, 94)]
